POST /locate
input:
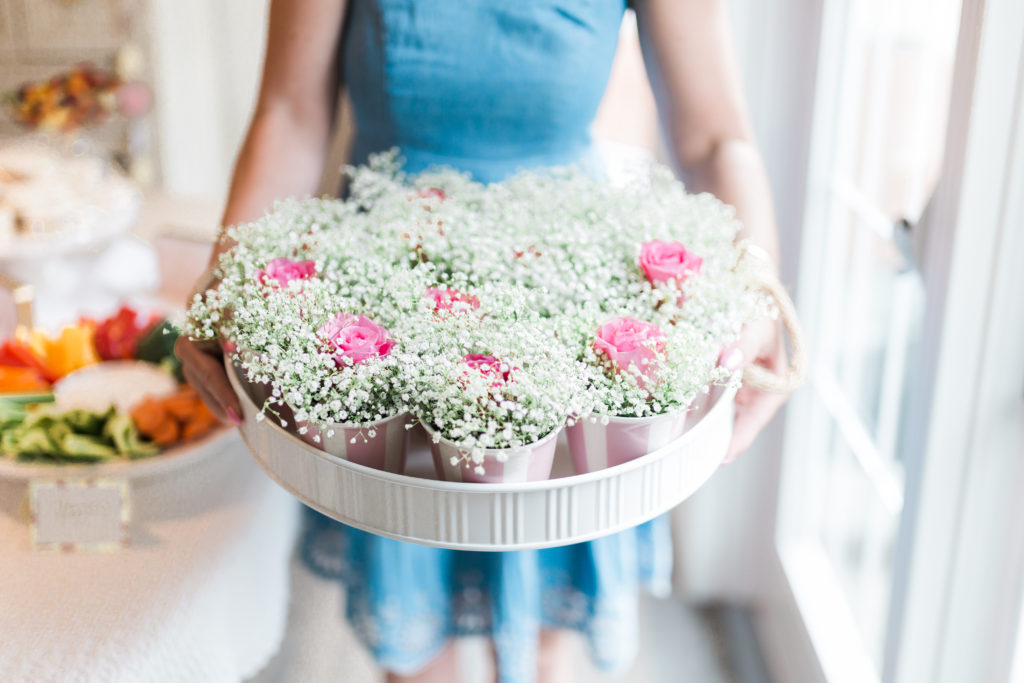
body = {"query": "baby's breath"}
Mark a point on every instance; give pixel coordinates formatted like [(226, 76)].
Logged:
[(540, 262)]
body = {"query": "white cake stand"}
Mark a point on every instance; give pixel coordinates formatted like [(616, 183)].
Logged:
[(470, 516)]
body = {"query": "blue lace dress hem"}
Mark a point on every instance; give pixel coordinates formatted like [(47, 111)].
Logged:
[(405, 601)]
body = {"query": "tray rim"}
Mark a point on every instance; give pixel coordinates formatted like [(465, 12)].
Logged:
[(725, 398)]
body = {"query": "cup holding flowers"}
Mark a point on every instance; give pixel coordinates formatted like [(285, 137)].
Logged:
[(644, 378), (493, 394)]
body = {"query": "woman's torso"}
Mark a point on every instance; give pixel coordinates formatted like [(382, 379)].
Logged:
[(486, 86)]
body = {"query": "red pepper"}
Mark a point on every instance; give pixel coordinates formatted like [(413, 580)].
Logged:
[(9, 357), (24, 356), (118, 336)]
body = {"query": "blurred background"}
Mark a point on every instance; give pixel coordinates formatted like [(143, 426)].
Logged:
[(876, 532)]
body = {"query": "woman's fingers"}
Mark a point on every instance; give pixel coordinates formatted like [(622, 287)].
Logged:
[(760, 343), (754, 410), (757, 337), (205, 372)]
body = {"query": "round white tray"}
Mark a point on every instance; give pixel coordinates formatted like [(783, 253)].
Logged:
[(468, 516)]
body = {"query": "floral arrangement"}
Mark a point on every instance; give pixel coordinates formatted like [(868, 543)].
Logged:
[(492, 380), (494, 314)]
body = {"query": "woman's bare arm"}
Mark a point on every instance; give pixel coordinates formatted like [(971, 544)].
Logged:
[(284, 151), (688, 49)]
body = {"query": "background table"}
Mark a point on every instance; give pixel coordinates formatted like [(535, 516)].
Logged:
[(202, 594)]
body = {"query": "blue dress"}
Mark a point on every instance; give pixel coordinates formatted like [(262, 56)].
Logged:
[(489, 87)]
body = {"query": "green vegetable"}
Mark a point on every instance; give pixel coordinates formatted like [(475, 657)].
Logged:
[(25, 399), (11, 414), (36, 441), (40, 432), (14, 407), (57, 431), (8, 441), (172, 365), (83, 447), (157, 347), (86, 421), (121, 430)]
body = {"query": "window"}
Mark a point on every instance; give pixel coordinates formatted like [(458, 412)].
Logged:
[(883, 89)]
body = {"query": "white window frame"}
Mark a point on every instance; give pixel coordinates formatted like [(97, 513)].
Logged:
[(959, 571), (961, 579)]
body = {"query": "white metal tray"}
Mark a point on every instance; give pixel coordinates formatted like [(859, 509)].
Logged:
[(468, 516)]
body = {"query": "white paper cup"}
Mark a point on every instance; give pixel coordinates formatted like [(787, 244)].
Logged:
[(595, 446), (525, 463), (385, 450)]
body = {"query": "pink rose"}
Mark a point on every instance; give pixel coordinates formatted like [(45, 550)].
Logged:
[(355, 338), (488, 366), (628, 341), (284, 270), (663, 261), (428, 192), (445, 299)]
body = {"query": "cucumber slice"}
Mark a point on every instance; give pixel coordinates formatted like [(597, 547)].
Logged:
[(84, 447)]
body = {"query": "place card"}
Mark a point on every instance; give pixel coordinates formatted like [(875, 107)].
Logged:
[(79, 514)]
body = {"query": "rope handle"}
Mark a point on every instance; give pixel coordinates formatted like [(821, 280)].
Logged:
[(757, 377)]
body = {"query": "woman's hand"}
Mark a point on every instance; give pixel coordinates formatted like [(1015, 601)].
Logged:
[(761, 344), (688, 49), (203, 365), (284, 151)]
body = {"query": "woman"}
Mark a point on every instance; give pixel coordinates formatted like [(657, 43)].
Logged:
[(490, 87)]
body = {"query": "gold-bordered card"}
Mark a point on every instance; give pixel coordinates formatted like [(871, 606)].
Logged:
[(68, 515)]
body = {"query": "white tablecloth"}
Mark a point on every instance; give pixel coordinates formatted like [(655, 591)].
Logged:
[(201, 596)]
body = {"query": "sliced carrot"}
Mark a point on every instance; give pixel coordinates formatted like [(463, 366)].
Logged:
[(198, 426), (148, 416), (168, 433), (169, 419), (182, 405)]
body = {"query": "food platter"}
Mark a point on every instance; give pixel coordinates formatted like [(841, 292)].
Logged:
[(492, 517), (100, 398), (166, 462)]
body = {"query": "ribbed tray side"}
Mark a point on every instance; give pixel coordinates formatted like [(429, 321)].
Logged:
[(492, 516)]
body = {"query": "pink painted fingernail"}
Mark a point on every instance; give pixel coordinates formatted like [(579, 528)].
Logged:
[(731, 360), (233, 416)]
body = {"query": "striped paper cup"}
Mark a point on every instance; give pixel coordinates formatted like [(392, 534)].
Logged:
[(385, 450), (595, 446), (525, 463), (259, 393)]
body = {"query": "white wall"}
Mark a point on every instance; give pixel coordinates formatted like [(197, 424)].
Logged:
[(207, 58)]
